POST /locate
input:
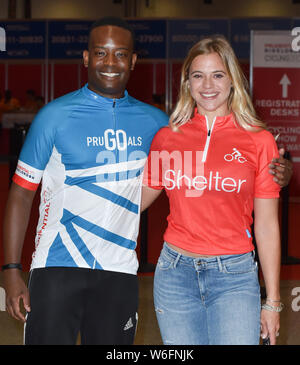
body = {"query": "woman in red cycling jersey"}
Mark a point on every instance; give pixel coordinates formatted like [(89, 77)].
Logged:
[(213, 162)]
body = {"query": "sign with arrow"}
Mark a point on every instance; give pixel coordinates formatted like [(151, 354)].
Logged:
[(285, 82), (275, 85)]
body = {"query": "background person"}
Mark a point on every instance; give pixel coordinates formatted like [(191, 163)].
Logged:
[(9, 103), (30, 104)]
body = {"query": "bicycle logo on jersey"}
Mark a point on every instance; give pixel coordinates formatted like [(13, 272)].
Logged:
[(235, 155)]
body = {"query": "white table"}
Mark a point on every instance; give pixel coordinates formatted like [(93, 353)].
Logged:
[(10, 119)]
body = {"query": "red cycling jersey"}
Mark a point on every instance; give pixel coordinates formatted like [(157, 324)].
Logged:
[(211, 178)]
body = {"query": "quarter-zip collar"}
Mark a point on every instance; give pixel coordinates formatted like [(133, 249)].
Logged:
[(218, 121), (114, 102), (208, 137)]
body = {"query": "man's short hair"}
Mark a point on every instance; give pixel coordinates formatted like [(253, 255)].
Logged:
[(115, 21)]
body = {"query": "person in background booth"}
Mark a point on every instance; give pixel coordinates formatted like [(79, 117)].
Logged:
[(9, 103), (30, 104), (213, 162)]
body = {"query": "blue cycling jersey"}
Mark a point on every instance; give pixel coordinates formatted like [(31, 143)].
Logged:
[(90, 153)]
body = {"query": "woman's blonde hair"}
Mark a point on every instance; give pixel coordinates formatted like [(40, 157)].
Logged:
[(239, 101)]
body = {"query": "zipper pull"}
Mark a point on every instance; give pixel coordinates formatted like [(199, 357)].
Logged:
[(208, 134), (114, 103)]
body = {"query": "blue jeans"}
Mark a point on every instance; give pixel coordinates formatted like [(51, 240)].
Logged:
[(207, 301)]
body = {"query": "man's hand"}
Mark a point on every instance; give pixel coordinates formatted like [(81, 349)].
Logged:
[(16, 291), (282, 169), (16, 220)]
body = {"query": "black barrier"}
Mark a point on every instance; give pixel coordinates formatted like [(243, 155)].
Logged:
[(144, 265)]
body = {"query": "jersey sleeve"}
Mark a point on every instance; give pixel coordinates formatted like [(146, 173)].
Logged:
[(163, 119), (154, 165), (36, 151), (265, 186)]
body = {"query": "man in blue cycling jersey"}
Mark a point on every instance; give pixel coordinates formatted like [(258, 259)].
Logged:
[(88, 148)]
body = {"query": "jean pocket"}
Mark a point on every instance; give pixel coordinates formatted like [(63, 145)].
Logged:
[(164, 262), (241, 266)]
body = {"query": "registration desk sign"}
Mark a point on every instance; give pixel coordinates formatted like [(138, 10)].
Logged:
[(275, 85)]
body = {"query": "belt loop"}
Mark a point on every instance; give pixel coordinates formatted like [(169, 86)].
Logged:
[(220, 263), (176, 260)]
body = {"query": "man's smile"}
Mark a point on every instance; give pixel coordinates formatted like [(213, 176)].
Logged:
[(110, 74)]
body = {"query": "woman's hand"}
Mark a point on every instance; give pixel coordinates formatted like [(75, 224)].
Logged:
[(270, 324)]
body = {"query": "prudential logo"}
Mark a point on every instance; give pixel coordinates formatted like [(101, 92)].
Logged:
[(2, 39)]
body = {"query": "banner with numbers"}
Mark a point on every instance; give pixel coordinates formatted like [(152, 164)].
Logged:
[(23, 40)]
